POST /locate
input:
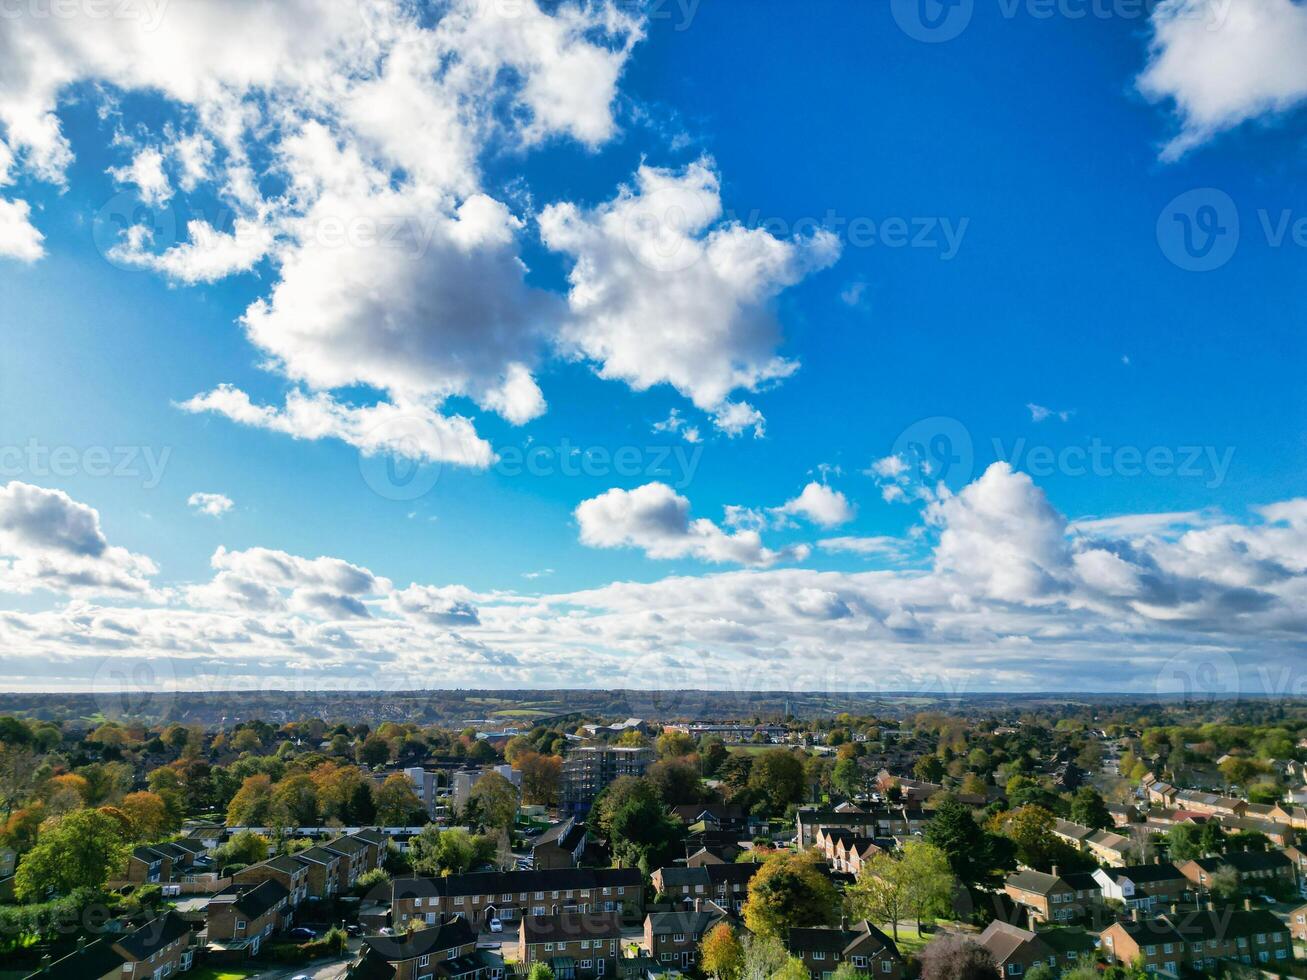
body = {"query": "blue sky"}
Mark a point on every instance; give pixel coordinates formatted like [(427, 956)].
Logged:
[(972, 245)]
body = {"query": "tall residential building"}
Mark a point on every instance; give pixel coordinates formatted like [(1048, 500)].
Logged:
[(464, 779), (587, 770)]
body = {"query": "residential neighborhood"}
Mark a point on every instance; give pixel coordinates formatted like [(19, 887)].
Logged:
[(1042, 844)]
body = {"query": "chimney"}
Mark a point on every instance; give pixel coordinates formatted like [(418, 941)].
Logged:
[(698, 904), (1134, 914), (1055, 871), (844, 923), (1247, 904)]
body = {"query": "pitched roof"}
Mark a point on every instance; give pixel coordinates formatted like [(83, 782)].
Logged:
[(678, 877), (1003, 939), (449, 934), (93, 960), (1143, 874), (1034, 881), (153, 936), (734, 874), (252, 902), (1246, 861), (824, 939), (575, 925), (491, 882), (687, 922), (318, 855)]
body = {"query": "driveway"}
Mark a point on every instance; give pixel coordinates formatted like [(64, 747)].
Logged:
[(322, 970)]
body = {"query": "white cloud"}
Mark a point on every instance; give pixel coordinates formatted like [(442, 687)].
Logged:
[(1039, 413), (212, 504), (392, 269), (878, 545), (1039, 615), (819, 504), (18, 238), (676, 422), (206, 256), (1000, 536), (146, 172), (656, 519), (664, 292), (50, 542), (1223, 63), (410, 430)]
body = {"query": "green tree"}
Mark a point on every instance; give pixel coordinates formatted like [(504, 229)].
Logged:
[(974, 855), (374, 751), (930, 880), (540, 971), (847, 777), (252, 804), (1224, 882), (1088, 808), (396, 801), (882, 893), (847, 971), (673, 745), (493, 801), (789, 890), (81, 850), (244, 847), (777, 778), (764, 957), (295, 801), (1182, 843)]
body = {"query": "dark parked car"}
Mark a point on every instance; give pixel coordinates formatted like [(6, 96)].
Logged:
[(303, 934)]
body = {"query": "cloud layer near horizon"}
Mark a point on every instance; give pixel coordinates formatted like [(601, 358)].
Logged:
[(1008, 595)]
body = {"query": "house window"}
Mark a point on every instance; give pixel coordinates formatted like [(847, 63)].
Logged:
[(587, 964), (679, 937), (818, 955), (240, 924), (859, 961), (549, 947), (424, 960)]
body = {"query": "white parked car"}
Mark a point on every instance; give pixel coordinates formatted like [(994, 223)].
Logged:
[(495, 925)]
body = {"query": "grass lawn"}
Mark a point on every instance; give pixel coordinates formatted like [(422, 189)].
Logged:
[(910, 940), (221, 973)]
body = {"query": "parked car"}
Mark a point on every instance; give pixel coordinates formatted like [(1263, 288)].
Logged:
[(495, 925), (302, 934)]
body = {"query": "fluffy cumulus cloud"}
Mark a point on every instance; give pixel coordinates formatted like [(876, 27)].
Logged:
[(345, 141), (819, 504), (50, 542), (18, 238), (212, 504), (663, 291), (1222, 63), (656, 519), (1013, 595)]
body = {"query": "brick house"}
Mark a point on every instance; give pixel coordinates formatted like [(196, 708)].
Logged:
[(324, 871), (355, 859), (447, 950), (1197, 940), (1144, 886), (672, 938), (291, 874), (1255, 868), (512, 895), (725, 884), (577, 946), (1109, 848), (561, 846), (241, 918), (158, 949), (1015, 950), (1212, 804), (145, 865), (864, 946), (1046, 897)]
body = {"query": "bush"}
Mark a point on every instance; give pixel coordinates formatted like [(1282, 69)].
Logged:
[(369, 880)]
